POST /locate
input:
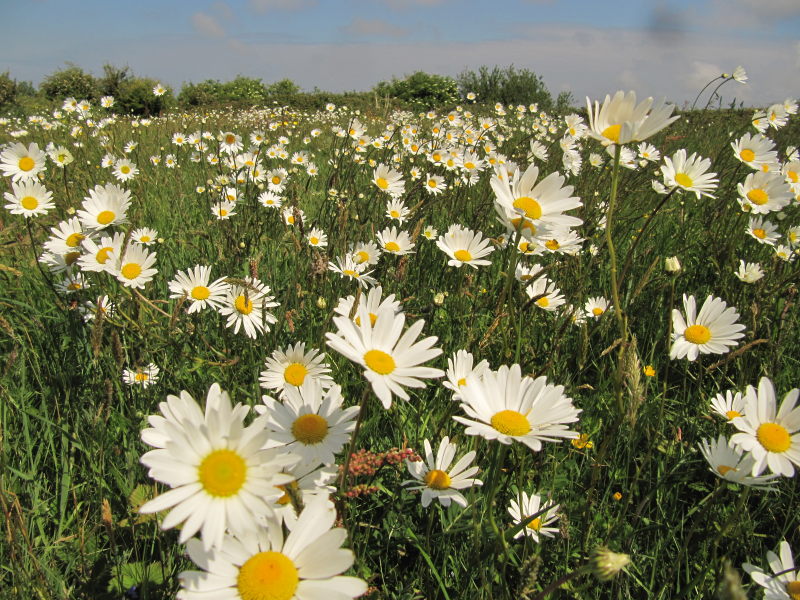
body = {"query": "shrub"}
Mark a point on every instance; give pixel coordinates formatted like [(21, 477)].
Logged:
[(422, 90), (71, 81), (135, 96), (509, 86)]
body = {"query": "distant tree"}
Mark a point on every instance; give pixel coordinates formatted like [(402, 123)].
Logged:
[(8, 90), (112, 80), (200, 94), (565, 101), (508, 86), (243, 89), (423, 90), (70, 81), (135, 96), (283, 88)]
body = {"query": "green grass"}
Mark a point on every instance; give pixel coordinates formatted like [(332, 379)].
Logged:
[(70, 478)]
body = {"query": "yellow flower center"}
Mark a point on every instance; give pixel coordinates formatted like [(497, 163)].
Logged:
[(612, 132), (758, 196), (536, 524), (229, 139), (382, 183), (362, 256), (105, 217), (222, 212), (462, 382), (725, 469), (793, 176), (314, 240), (523, 223), (295, 374), (462, 255), (379, 361), (793, 589), (597, 311), (310, 429), (765, 167), (529, 206), (74, 239), (144, 239), (243, 304), (71, 257), (131, 270), (683, 180), (26, 163), (276, 180), (732, 414), (29, 203), (510, 422), (125, 169), (372, 318), (774, 437), (351, 273), (760, 233), (747, 155), (437, 480), (200, 292), (267, 576), (222, 473), (469, 165), (544, 302), (697, 334), (392, 246), (102, 255), (290, 219), (74, 286), (432, 183), (552, 245), (394, 214)]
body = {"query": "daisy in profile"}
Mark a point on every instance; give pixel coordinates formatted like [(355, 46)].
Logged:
[(784, 582), (728, 462), (21, 163), (389, 180), (125, 170), (525, 508), (465, 247), (689, 174), (596, 307), (391, 358), (260, 564), (224, 209), (460, 367), (293, 366), (728, 405), (620, 120), (144, 236), (291, 214), (762, 193), (772, 435), (29, 199), (393, 241), (373, 302), (437, 480), (246, 306), (365, 253), (763, 231), (194, 285), (547, 296), (714, 330), (349, 268), (134, 268), (142, 376), (749, 272), (220, 476), (309, 421), (503, 405), (105, 206)]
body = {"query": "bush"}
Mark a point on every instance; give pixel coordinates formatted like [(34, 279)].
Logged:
[(509, 86), (421, 90), (71, 81), (8, 90), (110, 84), (135, 96)]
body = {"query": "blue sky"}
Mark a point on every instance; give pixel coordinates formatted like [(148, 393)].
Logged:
[(589, 47)]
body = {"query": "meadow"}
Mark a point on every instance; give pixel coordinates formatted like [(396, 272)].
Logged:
[(547, 339)]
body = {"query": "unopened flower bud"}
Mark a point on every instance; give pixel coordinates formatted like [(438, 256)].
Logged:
[(321, 302), (438, 299), (672, 264)]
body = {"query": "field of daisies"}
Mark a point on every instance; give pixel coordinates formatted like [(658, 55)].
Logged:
[(478, 351)]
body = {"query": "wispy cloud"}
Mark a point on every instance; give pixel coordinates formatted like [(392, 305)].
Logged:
[(374, 27), (207, 25), (263, 6)]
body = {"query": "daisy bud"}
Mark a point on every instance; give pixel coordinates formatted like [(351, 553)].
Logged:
[(672, 265), (607, 564)]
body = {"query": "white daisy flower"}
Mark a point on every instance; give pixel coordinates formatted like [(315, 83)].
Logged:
[(29, 199), (729, 405), (194, 285), (293, 366), (728, 462), (220, 476), (246, 307), (465, 246), (527, 507), (459, 368), (437, 479), (134, 268), (141, 376), (784, 583), (713, 331)]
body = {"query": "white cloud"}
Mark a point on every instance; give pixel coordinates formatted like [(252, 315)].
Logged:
[(263, 6), (207, 25), (374, 27)]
